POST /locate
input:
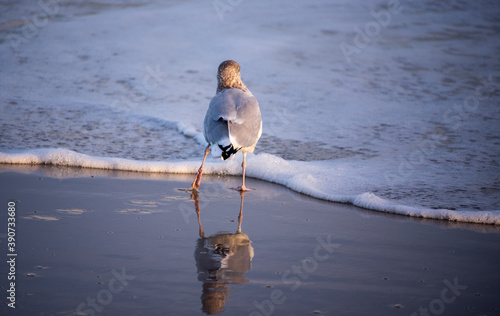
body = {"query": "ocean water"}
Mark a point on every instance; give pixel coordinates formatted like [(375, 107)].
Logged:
[(389, 105)]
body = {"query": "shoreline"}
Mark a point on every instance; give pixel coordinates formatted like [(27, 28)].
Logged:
[(265, 167), (82, 224)]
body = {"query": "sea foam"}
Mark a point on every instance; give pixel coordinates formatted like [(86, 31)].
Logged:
[(299, 176)]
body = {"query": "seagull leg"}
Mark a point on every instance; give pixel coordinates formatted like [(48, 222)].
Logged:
[(197, 180), (244, 166)]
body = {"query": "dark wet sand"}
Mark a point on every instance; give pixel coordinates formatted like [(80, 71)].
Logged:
[(122, 243)]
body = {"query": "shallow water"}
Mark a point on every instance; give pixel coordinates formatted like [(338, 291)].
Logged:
[(411, 117), (132, 242)]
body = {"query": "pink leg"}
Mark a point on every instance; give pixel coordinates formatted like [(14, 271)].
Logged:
[(244, 166), (197, 180)]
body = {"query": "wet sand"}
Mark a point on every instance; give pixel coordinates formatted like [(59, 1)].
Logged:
[(123, 243)]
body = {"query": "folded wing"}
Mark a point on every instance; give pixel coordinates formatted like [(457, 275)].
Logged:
[(233, 122)]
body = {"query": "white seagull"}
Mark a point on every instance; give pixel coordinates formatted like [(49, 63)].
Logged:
[(233, 122)]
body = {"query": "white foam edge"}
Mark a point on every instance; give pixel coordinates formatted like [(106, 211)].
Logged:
[(295, 175), (190, 131)]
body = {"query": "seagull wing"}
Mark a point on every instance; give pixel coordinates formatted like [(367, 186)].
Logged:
[(246, 128), (233, 118)]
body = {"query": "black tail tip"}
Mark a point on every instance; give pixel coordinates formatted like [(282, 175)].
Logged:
[(228, 151)]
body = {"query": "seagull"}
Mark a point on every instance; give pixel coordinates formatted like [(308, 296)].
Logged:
[(233, 122)]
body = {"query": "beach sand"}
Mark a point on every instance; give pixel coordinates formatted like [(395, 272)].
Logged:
[(125, 243)]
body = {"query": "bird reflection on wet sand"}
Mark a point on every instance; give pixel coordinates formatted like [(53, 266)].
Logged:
[(221, 259)]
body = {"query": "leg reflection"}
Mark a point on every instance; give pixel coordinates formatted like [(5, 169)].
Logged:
[(221, 259)]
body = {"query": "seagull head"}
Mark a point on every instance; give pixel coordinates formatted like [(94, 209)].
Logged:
[(228, 76)]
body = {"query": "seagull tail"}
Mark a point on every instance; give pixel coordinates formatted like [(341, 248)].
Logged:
[(228, 151)]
